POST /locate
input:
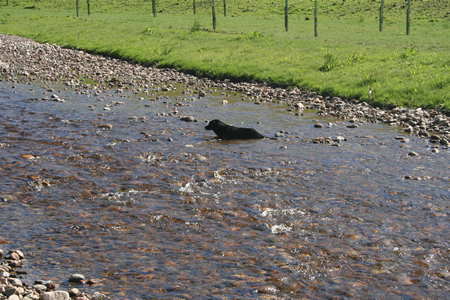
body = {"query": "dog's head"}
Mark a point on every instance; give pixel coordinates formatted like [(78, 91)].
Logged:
[(214, 124)]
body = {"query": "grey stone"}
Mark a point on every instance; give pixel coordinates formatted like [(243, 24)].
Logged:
[(74, 292), (188, 119), (13, 256), (76, 278), (15, 282), (40, 287), (31, 296), (13, 297), (4, 274), (339, 139), (20, 253), (56, 295), (98, 296)]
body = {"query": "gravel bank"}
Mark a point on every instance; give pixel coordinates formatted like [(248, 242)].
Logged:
[(12, 287), (23, 60)]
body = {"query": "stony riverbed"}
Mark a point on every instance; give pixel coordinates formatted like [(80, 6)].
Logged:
[(89, 77)]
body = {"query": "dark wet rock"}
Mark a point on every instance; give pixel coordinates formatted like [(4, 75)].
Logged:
[(412, 153), (435, 139), (106, 126), (423, 133), (76, 278), (11, 290), (318, 125)]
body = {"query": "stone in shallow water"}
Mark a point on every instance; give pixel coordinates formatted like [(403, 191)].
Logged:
[(76, 278), (187, 119)]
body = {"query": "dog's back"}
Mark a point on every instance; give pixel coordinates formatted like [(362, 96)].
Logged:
[(228, 132)]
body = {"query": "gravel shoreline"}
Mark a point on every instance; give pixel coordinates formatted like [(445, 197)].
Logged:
[(25, 61), (12, 287)]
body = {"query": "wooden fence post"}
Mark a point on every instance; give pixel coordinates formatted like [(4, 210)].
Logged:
[(154, 7), (224, 8), (286, 15), (89, 7), (316, 34), (408, 18), (214, 14), (195, 8), (78, 8), (382, 15)]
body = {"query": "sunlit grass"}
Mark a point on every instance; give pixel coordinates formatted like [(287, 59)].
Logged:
[(349, 57)]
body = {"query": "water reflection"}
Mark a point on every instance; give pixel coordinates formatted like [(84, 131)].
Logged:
[(154, 207)]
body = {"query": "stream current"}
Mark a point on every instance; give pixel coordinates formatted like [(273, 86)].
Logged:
[(110, 185)]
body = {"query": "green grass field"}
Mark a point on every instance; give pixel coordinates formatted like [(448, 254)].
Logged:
[(349, 57)]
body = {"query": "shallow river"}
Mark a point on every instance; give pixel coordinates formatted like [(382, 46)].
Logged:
[(174, 213)]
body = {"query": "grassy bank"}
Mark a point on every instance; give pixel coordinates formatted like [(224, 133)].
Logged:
[(349, 57)]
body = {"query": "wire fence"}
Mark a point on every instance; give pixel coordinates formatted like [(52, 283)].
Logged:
[(210, 5)]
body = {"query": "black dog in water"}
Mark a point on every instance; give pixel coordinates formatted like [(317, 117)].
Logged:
[(228, 132)]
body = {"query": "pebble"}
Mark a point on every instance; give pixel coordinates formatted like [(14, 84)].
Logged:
[(188, 119), (339, 139), (56, 295)]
